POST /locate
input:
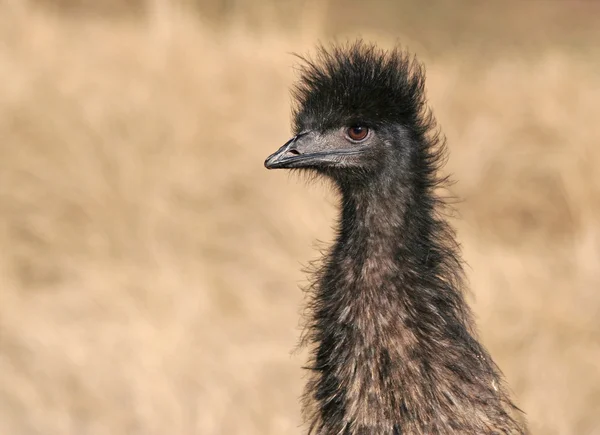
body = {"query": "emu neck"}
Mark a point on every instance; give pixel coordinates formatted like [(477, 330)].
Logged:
[(395, 352), (385, 239), (375, 224)]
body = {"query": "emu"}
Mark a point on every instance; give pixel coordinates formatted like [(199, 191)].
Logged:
[(393, 343)]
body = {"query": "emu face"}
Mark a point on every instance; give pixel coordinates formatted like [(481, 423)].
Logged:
[(353, 146), (352, 155)]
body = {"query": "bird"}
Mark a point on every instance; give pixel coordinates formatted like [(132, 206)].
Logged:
[(393, 344)]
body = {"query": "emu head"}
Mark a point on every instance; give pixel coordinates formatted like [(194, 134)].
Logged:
[(360, 111)]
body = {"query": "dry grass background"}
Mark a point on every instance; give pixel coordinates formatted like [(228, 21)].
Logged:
[(149, 265)]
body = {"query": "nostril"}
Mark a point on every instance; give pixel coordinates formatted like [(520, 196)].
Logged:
[(294, 152)]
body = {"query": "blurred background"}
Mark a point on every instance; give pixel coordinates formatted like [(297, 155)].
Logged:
[(150, 266)]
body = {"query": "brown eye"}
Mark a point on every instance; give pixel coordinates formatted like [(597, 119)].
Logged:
[(358, 133)]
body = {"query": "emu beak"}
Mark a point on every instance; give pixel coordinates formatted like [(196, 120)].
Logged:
[(310, 150), (288, 156)]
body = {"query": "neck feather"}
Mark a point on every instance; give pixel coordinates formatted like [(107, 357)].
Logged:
[(394, 348)]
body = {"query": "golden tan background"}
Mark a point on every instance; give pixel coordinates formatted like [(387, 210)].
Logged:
[(149, 264)]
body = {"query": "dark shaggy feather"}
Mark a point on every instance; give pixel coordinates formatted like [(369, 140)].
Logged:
[(394, 346)]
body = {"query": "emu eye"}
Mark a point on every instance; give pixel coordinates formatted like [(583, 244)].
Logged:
[(358, 133)]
